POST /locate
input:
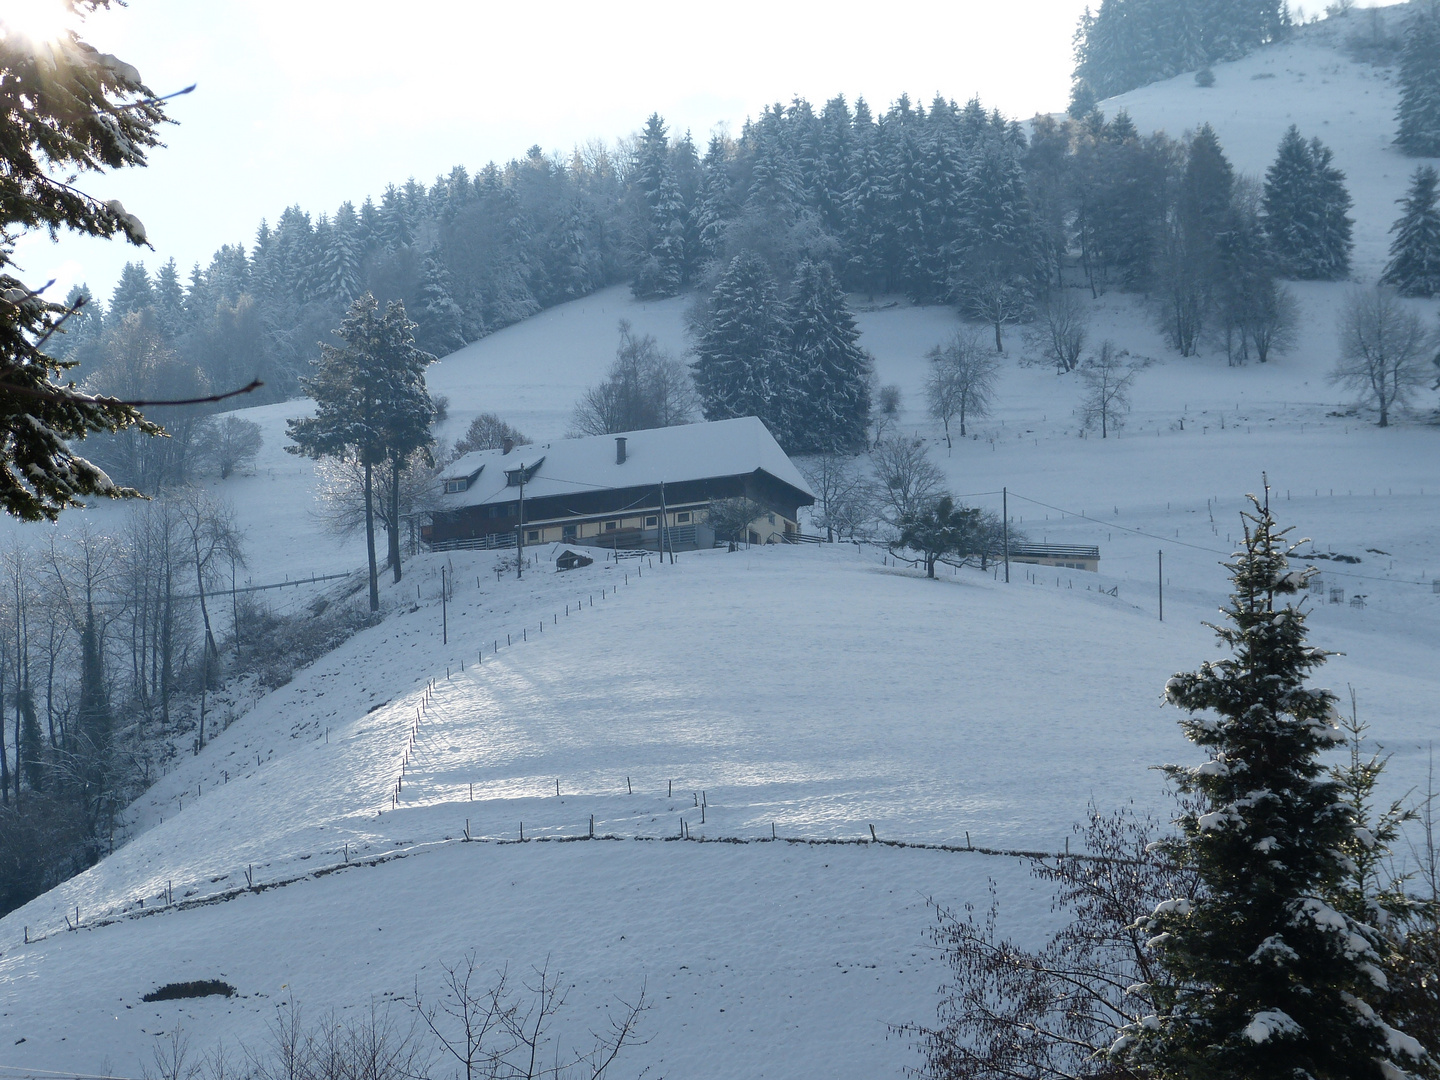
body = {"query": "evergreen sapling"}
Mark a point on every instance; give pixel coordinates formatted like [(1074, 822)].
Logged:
[(1267, 977)]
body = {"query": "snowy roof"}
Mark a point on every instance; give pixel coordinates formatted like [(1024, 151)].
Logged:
[(671, 455)]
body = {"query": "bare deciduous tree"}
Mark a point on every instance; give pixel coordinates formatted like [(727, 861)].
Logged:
[(494, 1032), (886, 413), (1272, 319), (645, 388), (1062, 327), (962, 380), (228, 444), (1383, 346), (1050, 1014), (908, 479), (488, 432), (340, 493), (1107, 390), (844, 495), (731, 518)]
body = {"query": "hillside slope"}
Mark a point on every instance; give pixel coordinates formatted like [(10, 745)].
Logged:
[(1308, 81), (814, 692)]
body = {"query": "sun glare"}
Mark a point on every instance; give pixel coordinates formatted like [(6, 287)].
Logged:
[(38, 20)]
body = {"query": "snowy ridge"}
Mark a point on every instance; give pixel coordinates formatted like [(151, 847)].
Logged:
[(1307, 81)]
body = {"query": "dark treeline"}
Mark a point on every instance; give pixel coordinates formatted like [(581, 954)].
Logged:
[(945, 204), (1418, 118), (1129, 43)]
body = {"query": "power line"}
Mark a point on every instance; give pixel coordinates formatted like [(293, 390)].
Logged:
[(20, 1073)]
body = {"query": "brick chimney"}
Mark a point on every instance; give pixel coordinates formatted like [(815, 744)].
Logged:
[(506, 445), (620, 450)]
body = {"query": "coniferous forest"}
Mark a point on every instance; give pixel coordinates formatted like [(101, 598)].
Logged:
[(945, 204)]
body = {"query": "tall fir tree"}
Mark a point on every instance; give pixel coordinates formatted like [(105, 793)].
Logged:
[(1265, 979), (902, 224), (393, 224), (737, 365), (134, 291), (440, 319), (831, 373), (997, 259), (409, 412), (341, 257), (1418, 119), (941, 183), (1305, 210), (837, 152), (170, 314), (685, 165), (368, 391), (714, 205), (1414, 267), (776, 186), (866, 206), (657, 231)]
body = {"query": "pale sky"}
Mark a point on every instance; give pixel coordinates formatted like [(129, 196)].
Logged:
[(319, 101)]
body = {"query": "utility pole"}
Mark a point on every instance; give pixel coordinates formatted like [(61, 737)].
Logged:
[(235, 605), (1005, 515), (665, 527), (1160, 564), (444, 614), (520, 530)]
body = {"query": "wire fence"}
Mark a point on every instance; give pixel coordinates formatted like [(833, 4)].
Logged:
[(642, 560)]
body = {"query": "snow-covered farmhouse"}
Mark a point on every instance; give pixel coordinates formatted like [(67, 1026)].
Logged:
[(614, 490)]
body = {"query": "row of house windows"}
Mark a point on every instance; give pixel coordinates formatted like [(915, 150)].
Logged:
[(571, 533)]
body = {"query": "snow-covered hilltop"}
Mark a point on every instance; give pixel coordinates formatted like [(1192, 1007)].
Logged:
[(1312, 81)]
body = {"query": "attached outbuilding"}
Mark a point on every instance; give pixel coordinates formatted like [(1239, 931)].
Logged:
[(620, 491), (1069, 556)]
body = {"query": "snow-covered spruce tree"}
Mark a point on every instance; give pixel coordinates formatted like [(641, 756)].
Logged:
[(371, 405), (441, 320), (657, 230), (65, 110), (1414, 267), (1305, 211), (134, 292), (997, 257), (832, 372), (737, 349), (1267, 978), (714, 207), (1418, 118)]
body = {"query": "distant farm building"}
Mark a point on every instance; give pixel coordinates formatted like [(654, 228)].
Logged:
[(619, 491), (1071, 556)]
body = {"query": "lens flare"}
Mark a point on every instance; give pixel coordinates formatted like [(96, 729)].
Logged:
[(40, 21)]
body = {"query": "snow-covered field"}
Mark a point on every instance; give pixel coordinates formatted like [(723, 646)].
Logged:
[(815, 692)]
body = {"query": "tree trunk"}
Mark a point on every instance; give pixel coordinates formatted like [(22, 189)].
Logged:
[(370, 535), (207, 651), (19, 684), (4, 754), (394, 528), (167, 644), (999, 345)]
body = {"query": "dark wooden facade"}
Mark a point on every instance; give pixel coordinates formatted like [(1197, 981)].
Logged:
[(477, 522)]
